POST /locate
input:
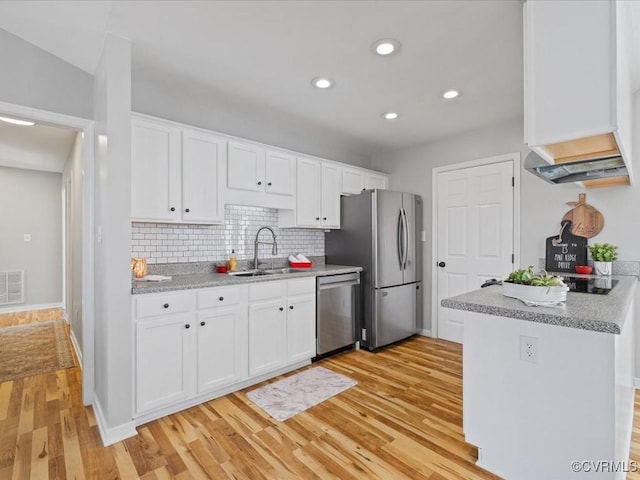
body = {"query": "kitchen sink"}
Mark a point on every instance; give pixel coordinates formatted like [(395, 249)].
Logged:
[(272, 271)]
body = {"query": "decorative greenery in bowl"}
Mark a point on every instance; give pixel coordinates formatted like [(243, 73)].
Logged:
[(603, 252), (526, 276)]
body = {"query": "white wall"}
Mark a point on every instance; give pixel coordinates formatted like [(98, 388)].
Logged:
[(113, 330), (32, 204), (201, 107), (37, 79), (72, 181), (542, 204)]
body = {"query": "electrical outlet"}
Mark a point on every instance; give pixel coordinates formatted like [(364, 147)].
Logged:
[(529, 349)]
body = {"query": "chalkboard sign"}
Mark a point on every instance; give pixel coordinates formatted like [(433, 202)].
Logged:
[(565, 250)]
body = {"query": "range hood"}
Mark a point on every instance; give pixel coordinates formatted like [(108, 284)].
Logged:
[(595, 161)]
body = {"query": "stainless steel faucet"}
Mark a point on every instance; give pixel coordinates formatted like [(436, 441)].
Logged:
[(274, 249)]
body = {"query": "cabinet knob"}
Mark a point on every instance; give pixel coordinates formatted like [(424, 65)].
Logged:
[(166, 305), (317, 218), (269, 184), (202, 324), (187, 326), (221, 299), (290, 307), (187, 210), (259, 183), (442, 264), (281, 309), (324, 218), (173, 209)]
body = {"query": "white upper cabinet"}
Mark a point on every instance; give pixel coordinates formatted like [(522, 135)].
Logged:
[(261, 177), (176, 173), (318, 196), (577, 90), (155, 169), (355, 180)]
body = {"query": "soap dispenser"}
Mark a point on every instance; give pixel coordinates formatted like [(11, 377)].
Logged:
[(233, 261)]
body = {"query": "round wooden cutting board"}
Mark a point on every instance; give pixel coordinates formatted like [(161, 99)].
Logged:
[(586, 220)]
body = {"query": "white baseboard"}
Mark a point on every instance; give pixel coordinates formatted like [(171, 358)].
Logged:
[(27, 308), (111, 435), (76, 347), (425, 333)]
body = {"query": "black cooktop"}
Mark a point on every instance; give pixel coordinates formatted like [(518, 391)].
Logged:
[(598, 286)]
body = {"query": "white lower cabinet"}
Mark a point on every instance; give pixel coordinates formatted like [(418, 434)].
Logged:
[(164, 361), (195, 345)]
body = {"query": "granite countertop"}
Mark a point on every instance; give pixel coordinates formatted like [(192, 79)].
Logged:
[(210, 279), (598, 313)]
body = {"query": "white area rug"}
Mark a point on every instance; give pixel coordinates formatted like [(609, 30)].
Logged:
[(289, 396)]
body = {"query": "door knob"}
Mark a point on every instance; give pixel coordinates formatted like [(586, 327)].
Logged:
[(442, 264)]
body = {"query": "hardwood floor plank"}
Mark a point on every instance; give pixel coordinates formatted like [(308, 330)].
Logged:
[(40, 454)]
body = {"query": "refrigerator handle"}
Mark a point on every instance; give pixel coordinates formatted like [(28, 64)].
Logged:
[(399, 241), (405, 249)]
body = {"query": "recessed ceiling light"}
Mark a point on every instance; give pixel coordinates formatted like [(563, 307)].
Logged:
[(386, 47), (451, 94), (322, 82), (390, 115), (15, 121)]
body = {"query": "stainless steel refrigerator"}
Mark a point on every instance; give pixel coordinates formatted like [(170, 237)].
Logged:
[(380, 231)]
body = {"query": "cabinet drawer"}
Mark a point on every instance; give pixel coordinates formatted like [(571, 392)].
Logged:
[(301, 286), (265, 291), (219, 297), (152, 305)]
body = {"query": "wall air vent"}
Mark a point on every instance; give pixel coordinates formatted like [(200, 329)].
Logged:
[(11, 287)]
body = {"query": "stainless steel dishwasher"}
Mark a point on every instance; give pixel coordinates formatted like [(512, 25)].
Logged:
[(336, 311)]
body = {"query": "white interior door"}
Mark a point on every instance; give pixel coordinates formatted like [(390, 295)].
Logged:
[(475, 235)]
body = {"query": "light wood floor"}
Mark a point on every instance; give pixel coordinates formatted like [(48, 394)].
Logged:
[(402, 421)]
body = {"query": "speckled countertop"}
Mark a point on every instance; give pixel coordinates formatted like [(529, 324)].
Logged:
[(598, 313), (209, 279)]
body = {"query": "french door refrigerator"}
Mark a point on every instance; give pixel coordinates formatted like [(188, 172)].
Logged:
[(380, 231)]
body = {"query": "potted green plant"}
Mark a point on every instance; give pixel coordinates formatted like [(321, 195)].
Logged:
[(538, 288), (603, 254)]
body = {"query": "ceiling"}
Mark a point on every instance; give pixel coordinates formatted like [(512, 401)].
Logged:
[(39, 147), (267, 52)]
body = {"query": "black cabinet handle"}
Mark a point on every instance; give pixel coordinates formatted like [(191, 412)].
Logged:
[(417, 287), (173, 209), (202, 324), (269, 184), (290, 307), (324, 218), (317, 218), (187, 326), (166, 305), (187, 210), (442, 264), (281, 309), (221, 299), (259, 183)]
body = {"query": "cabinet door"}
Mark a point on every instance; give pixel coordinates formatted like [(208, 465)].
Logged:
[(308, 193), (165, 364), (330, 206), (301, 328), (280, 173), (221, 348), (155, 171), (372, 180), (245, 167), (352, 181), (202, 155), (266, 336)]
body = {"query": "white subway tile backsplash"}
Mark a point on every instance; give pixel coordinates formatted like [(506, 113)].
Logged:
[(167, 243)]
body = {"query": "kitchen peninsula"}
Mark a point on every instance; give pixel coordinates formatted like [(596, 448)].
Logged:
[(546, 387)]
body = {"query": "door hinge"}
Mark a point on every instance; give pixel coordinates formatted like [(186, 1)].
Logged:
[(513, 258), (364, 334), (513, 181)]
